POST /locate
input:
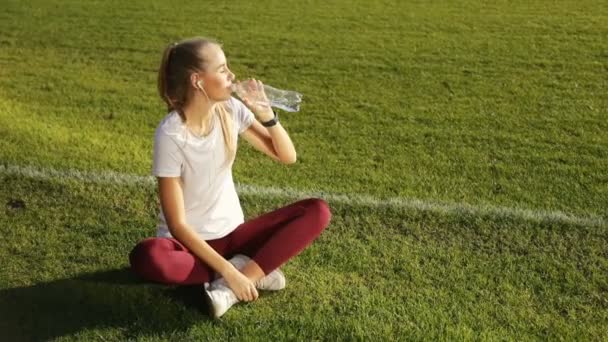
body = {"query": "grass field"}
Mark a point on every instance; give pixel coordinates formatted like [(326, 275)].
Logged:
[(435, 110)]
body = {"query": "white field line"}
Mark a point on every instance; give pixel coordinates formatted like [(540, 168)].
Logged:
[(109, 177)]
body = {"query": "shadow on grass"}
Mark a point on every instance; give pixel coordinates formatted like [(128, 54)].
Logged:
[(112, 299)]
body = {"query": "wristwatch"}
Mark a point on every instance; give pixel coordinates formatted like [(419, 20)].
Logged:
[(272, 121)]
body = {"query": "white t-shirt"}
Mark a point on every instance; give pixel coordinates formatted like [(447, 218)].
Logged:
[(210, 199)]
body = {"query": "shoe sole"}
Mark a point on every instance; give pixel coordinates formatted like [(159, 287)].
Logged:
[(209, 305), (284, 285), (285, 279)]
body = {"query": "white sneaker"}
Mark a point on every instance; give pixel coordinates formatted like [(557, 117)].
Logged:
[(274, 281), (219, 298)]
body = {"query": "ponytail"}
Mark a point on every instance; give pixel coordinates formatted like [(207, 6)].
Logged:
[(163, 75)]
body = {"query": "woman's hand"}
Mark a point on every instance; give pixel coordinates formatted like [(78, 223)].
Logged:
[(243, 288), (255, 98)]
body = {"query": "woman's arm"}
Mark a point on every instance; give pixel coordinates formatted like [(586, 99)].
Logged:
[(272, 141), (172, 202)]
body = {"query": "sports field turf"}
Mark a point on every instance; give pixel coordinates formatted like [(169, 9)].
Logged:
[(462, 147)]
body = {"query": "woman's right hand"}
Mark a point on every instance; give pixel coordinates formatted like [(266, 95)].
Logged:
[(243, 288)]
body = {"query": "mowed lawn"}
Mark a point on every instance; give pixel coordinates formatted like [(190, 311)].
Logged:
[(453, 106)]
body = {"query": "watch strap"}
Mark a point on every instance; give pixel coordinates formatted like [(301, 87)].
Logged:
[(272, 121)]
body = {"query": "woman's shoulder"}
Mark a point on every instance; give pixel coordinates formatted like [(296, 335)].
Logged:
[(171, 126), (239, 111), (234, 104)]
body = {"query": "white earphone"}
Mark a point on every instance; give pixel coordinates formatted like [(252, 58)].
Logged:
[(200, 84)]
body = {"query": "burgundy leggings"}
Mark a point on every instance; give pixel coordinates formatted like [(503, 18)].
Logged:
[(270, 240)]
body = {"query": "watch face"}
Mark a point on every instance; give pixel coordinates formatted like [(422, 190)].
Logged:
[(272, 121)]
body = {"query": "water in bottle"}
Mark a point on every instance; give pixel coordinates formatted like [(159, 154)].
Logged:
[(286, 100)]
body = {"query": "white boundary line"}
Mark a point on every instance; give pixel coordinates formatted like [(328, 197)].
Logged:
[(110, 177)]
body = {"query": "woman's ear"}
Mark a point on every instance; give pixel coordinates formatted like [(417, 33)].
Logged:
[(197, 83)]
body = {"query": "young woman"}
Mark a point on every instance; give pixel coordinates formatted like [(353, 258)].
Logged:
[(202, 237)]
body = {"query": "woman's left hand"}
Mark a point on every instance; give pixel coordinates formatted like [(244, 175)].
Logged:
[(255, 98)]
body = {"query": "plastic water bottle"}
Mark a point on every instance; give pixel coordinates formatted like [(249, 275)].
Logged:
[(287, 100)]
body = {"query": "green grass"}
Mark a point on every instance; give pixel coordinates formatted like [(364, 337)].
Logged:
[(372, 274), (498, 104)]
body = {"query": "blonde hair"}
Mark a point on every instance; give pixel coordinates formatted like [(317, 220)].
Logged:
[(227, 131), (178, 62)]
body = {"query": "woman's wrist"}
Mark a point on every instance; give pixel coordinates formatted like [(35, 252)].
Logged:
[(271, 122), (227, 269), (265, 116)]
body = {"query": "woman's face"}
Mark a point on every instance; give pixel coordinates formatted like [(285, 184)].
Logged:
[(217, 78)]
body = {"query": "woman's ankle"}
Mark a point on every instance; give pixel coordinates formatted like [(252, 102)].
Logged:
[(253, 271)]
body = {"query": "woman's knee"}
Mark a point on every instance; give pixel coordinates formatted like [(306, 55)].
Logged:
[(320, 210), (143, 257), (140, 249)]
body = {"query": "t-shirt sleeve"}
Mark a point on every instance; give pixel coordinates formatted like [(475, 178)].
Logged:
[(243, 117), (168, 157)]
